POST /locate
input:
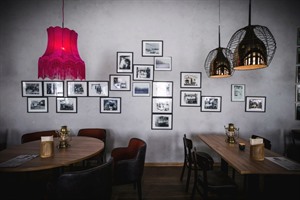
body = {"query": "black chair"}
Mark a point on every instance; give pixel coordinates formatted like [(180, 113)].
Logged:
[(100, 134), (129, 164), (188, 163), (28, 137), (267, 143), (92, 183), (211, 181), (293, 149)]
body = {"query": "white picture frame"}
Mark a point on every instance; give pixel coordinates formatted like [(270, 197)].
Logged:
[(141, 89), (163, 63)]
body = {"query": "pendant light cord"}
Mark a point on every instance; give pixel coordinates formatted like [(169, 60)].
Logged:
[(219, 25), (249, 12), (63, 13)]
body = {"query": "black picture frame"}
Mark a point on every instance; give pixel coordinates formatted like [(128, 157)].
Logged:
[(66, 104), (162, 105), (152, 48), (119, 82), (110, 105), (143, 72), (32, 88), (190, 98), (77, 89), (162, 88), (53, 88), (124, 62), (98, 89), (162, 122), (190, 80), (255, 104), (37, 104), (238, 92), (211, 104)]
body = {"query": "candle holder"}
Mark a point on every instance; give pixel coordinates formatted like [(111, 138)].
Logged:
[(232, 133), (64, 138)]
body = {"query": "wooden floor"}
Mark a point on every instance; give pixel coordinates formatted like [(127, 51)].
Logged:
[(163, 183)]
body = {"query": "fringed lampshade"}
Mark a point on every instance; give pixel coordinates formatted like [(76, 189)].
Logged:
[(253, 46), (61, 59)]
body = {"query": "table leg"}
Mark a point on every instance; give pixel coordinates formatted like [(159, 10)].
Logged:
[(224, 166)]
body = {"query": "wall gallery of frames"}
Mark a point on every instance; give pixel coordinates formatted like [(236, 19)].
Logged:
[(139, 79)]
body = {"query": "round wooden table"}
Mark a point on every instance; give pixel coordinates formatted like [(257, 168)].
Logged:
[(81, 148)]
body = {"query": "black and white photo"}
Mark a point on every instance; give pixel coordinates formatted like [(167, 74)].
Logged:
[(255, 104), (162, 105), (124, 62), (152, 48), (110, 105), (190, 98), (238, 92), (120, 82), (163, 63), (162, 121), (77, 88), (162, 88), (32, 88), (143, 72), (211, 103), (66, 105), (190, 79), (37, 104), (98, 89), (53, 88), (141, 89)]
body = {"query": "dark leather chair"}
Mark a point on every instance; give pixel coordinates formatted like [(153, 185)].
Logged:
[(100, 134), (92, 183), (210, 180), (129, 164), (188, 163), (28, 137), (293, 149)]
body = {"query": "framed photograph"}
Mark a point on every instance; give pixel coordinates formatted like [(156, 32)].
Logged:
[(77, 88), (163, 63), (162, 105), (190, 98), (298, 37), (238, 92), (32, 88), (53, 88), (162, 122), (37, 104), (110, 105), (152, 48), (297, 111), (124, 62), (211, 103), (298, 93), (255, 104), (66, 105), (98, 89), (141, 89), (298, 74), (143, 72), (298, 55), (190, 79), (120, 82), (162, 88)]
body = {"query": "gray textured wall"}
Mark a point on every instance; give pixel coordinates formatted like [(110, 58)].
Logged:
[(189, 30)]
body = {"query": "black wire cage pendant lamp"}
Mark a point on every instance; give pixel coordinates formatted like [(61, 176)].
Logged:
[(253, 46), (218, 63)]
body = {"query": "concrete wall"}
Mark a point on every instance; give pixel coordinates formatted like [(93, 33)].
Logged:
[(189, 30)]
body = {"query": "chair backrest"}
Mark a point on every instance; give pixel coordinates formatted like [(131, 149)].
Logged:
[(202, 161), (92, 183), (129, 161), (28, 137), (93, 132), (295, 134), (267, 143), (188, 148)]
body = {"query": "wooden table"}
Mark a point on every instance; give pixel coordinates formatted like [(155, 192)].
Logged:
[(81, 148), (241, 162)]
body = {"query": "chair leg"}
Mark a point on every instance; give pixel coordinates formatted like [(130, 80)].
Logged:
[(182, 171), (194, 190), (188, 179), (139, 188)]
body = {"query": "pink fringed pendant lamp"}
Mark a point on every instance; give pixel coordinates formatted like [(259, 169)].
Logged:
[(61, 59)]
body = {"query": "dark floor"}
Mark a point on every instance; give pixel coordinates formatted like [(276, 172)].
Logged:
[(159, 183)]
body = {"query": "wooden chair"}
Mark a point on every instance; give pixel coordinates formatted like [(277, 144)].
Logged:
[(188, 163), (100, 134), (129, 164), (92, 183), (210, 180), (28, 137)]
